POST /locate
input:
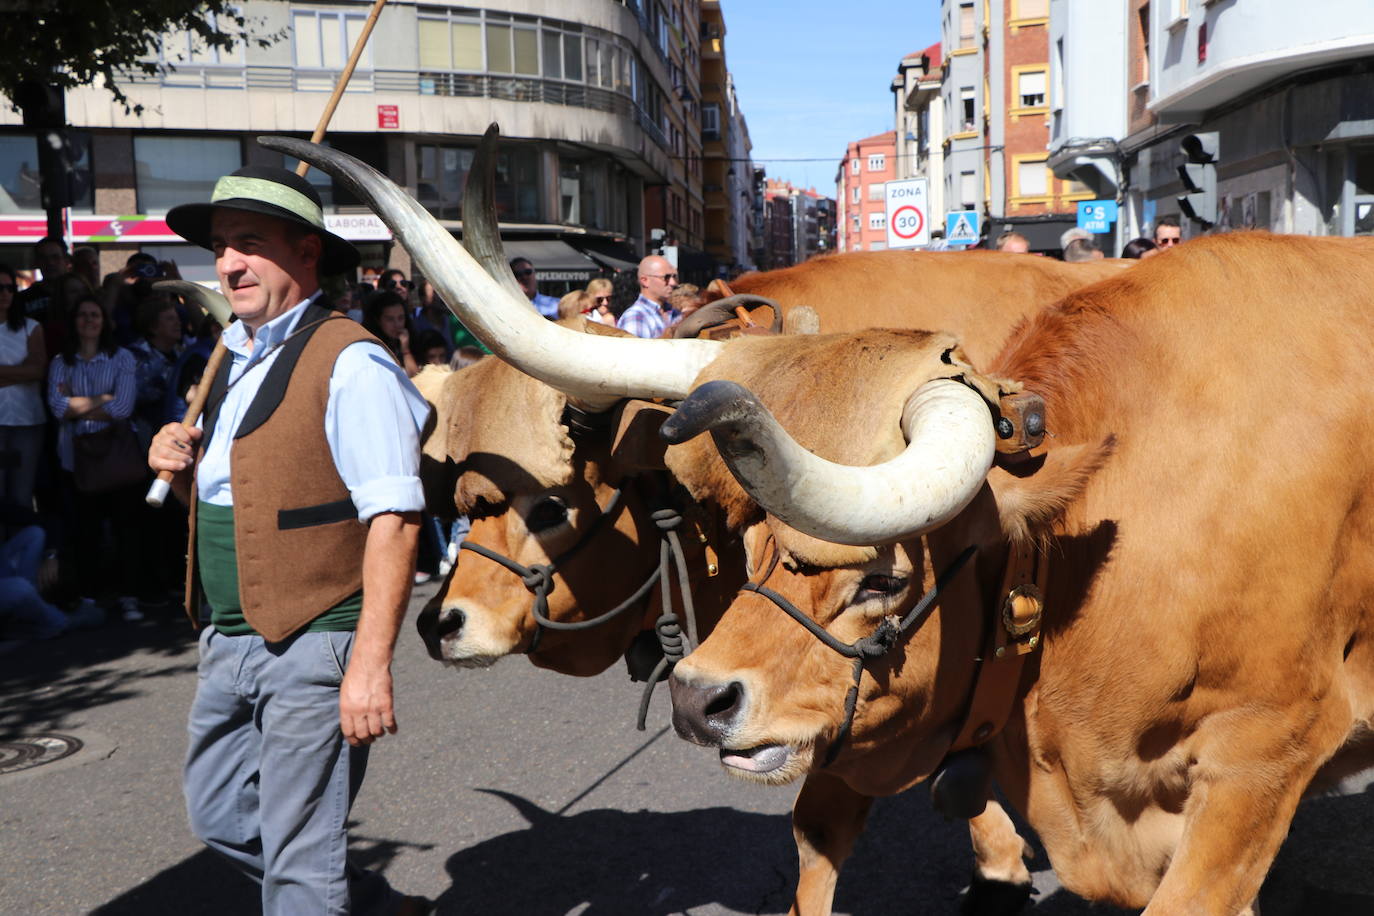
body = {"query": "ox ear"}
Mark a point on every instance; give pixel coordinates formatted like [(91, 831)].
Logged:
[(1034, 494), (637, 446)]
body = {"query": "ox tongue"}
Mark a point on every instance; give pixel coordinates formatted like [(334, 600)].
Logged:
[(760, 759)]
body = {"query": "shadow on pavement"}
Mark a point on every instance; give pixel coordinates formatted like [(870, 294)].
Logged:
[(49, 681), (201, 884)]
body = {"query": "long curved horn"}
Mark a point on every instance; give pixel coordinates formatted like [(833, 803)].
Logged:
[(950, 445), (214, 304), (481, 230), (596, 370)]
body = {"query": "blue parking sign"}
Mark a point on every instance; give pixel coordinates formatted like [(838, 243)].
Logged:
[(1096, 215)]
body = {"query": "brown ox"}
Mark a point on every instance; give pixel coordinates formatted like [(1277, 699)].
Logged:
[(1206, 654), (503, 452), (512, 461)]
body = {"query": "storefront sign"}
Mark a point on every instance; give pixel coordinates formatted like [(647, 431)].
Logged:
[(389, 117)]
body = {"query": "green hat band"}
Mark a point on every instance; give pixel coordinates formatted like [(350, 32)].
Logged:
[(269, 192)]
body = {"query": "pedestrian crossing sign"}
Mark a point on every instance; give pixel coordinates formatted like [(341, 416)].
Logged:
[(961, 227)]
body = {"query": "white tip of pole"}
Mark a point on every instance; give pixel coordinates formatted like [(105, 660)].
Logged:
[(157, 493)]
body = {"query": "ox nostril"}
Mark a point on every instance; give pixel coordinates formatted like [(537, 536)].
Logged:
[(722, 702), (450, 621), (706, 714)]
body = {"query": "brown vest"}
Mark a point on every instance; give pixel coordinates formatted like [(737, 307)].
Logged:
[(296, 531)]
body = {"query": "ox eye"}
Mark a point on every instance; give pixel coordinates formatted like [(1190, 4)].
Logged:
[(879, 586), (549, 512)]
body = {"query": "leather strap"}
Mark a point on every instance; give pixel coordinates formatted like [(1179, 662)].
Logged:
[(1013, 633)]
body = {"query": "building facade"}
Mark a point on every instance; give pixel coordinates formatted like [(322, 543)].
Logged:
[(1273, 101), (725, 134), (599, 105), (920, 126), (860, 192)]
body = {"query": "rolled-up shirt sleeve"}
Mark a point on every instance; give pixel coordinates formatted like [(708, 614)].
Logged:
[(373, 424)]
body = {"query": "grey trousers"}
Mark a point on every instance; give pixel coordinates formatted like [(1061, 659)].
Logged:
[(269, 779)]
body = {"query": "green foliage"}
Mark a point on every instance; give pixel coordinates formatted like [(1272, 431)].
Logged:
[(70, 43)]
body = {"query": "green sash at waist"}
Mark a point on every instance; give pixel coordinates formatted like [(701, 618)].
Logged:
[(219, 577)]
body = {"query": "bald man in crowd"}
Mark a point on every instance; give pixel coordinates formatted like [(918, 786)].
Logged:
[(651, 313)]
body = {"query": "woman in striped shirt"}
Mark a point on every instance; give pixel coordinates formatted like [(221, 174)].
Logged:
[(91, 383)]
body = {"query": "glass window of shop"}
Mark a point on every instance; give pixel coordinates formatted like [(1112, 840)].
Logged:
[(20, 181), (441, 174), (173, 170), (443, 170)]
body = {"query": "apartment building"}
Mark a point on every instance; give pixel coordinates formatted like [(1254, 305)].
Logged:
[(860, 192), (725, 134), (919, 120), (598, 101), (1272, 100), (996, 92)]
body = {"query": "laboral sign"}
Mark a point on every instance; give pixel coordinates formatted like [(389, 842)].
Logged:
[(138, 229)]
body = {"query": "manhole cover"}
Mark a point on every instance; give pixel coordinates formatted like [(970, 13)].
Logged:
[(26, 753)]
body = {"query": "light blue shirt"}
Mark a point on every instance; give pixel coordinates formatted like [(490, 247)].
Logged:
[(546, 306), (372, 421)]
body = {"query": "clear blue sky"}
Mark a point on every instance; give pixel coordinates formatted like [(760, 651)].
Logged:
[(812, 75)]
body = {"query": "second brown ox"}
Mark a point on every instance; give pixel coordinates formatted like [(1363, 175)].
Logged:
[(1206, 653)]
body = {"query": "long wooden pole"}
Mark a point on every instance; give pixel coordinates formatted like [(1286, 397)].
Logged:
[(157, 493)]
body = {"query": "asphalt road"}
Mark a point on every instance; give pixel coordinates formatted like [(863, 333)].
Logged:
[(507, 791)]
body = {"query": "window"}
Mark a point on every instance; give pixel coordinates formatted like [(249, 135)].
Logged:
[(968, 189), (1175, 10), (877, 221), (877, 191), (965, 24), (324, 40), (441, 172), (856, 224), (710, 121), (1031, 9), (185, 46), (854, 166), (856, 194), (968, 103), (451, 44), (1030, 88), (1143, 17), (512, 48), (877, 162), (1032, 179), (172, 170), (19, 178)]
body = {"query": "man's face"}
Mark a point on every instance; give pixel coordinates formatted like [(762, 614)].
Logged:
[(657, 278), (51, 258), (261, 271), (1168, 236), (525, 276)]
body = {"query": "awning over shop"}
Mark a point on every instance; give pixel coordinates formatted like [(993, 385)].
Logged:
[(554, 260), (610, 254)]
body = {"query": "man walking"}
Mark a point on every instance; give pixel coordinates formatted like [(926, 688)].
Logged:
[(305, 511), (651, 314)]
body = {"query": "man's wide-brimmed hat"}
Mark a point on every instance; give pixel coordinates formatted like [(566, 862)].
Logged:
[(274, 192)]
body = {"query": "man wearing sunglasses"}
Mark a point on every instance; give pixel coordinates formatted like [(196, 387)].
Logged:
[(651, 313), (529, 283), (1168, 233)]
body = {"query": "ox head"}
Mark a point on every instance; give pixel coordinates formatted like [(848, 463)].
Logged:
[(537, 479), (504, 450), (888, 480)]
